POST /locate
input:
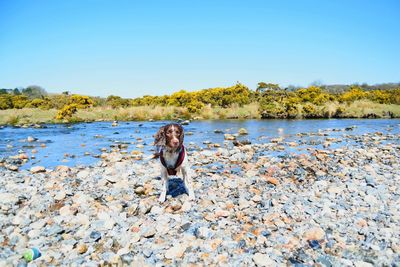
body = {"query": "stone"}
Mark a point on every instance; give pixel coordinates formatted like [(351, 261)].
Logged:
[(31, 139), (362, 264), (66, 211), (38, 169), (315, 233), (12, 167), (149, 231), (272, 180), (82, 248), (8, 198), (229, 137), (243, 131), (221, 213), (256, 199), (176, 251), (23, 156), (60, 195), (261, 259), (140, 190), (95, 236)]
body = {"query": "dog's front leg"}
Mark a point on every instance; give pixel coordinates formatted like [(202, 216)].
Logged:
[(187, 180), (164, 178)]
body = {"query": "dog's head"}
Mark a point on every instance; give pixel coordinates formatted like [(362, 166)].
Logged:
[(170, 137)]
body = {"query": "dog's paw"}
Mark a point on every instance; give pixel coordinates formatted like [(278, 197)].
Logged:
[(161, 199)]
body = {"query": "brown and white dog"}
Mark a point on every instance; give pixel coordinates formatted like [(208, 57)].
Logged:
[(173, 157)]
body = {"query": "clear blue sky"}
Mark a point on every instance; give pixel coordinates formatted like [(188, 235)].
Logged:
[(132, 48)]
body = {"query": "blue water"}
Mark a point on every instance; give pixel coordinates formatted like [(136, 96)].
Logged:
[(67, 144)]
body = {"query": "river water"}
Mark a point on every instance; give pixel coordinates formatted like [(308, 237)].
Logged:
[(81, 144)]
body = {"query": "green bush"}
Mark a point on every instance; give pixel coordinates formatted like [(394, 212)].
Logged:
[(5, 101)]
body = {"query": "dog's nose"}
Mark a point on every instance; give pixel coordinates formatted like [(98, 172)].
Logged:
[(175, 142)]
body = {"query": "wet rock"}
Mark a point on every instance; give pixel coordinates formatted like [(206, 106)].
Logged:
[(229, 137), (243, 131), (31, 139), (38, 169)]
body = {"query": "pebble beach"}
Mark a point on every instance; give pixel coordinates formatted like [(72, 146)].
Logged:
[(335, 206)]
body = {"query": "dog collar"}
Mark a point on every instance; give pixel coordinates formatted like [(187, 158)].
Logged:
[(181, 157)]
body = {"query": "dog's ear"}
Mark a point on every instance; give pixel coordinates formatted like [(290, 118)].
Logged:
[(159, 137), (181, 136)]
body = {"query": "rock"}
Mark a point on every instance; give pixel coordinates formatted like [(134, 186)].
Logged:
[(186, 122), (62, 168), (140, 190), (156, 210), (66, 211), (203, 233), (31, 139), (256, 199), (8, 199), (315, 233), (149, 231), (276, 140), (221, 213), (175, 206), (314, 244), (95, 236), (263, 260), (176, 251), (12, 167), (362, 264), (272, 180), (241, 143), (23, 156), (229, 137), (38, 169), (60, 195), (82, 248), (243, 131)]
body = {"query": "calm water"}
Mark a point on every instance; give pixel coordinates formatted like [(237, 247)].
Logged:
[(77, 139)]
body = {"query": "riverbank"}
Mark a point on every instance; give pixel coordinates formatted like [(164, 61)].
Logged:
[(335, 207), (357, 109)]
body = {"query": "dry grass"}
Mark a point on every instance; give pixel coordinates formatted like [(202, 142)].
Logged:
[(26, 116), (363, 108), (357, 109), (249, 111), (132, 113)]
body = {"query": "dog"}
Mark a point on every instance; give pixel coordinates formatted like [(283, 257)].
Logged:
[(173, 157)]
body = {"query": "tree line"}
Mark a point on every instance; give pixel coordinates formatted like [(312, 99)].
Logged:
[(274, 101)]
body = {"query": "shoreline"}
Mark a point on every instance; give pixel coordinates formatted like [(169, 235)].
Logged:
[(187, 121), (334, 206), (358, 109)]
